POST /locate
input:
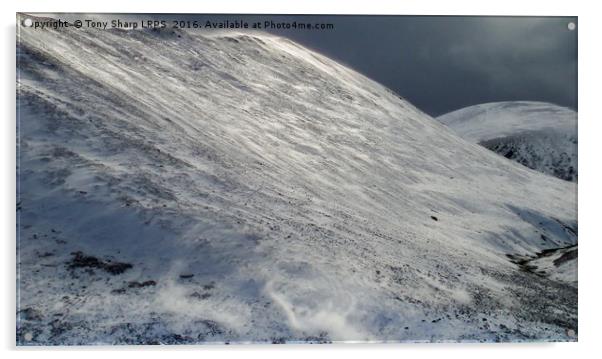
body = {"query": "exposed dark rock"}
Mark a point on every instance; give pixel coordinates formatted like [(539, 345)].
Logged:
[(200, 296), (566, 257), (148, 283), (80, 260), (29, 314)]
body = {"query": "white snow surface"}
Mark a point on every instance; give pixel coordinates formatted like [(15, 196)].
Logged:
[(270, 194), (539, 135)]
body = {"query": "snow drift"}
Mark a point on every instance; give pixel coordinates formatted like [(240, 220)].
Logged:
[(186, 187), (539, 135)]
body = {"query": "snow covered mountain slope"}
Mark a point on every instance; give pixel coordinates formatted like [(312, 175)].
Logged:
[(186, 187), (539, 135)]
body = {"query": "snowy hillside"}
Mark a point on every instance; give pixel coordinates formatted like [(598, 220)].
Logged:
[(188, 187), (538, 135)]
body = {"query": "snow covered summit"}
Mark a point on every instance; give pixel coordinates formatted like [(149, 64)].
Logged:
[(189, 187), (539, 135)]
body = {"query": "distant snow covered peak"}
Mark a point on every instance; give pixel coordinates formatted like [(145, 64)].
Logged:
[(499, 119), (538, 135)]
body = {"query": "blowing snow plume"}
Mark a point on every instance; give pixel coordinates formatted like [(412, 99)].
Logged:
[(184, 187)]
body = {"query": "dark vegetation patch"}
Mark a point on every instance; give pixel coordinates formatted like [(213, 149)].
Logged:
[(321, 338), (81, 260), (58, 327), (542, 300), (200, 296), (209, 286), (279, 340), (150, 333), (209, 328), (148, 283), (118, 291), (545, 301)]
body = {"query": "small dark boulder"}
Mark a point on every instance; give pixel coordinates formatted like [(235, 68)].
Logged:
[(148, 283)]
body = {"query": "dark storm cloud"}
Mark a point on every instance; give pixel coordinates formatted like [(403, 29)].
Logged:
[(442, 63)]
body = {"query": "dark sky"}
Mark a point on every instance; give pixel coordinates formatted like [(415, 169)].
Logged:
[(442, 63)]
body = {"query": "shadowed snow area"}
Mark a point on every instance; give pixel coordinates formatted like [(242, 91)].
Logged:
[(539, 135), (186, 187)]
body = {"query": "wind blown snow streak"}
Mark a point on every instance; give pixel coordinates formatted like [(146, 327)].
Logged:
[(271, 194)]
